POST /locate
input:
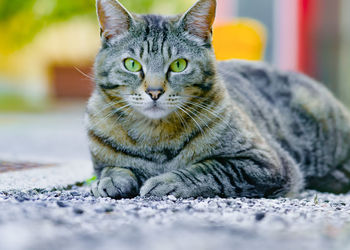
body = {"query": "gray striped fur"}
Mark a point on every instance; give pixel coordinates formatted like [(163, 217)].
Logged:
[(227, 129)]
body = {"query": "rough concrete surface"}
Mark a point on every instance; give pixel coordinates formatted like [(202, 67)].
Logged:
[(40, 210), (58, 175), (73, 219)]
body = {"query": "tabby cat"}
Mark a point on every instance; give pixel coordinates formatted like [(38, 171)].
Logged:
[(167, 119)]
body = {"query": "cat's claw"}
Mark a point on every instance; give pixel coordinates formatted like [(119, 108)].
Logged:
[(116, 188), (165, 184), (106, 188)]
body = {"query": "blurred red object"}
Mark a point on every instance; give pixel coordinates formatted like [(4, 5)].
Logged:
[(308, 10), (72, 82)]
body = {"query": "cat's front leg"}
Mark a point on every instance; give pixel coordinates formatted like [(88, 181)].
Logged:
[(227, 178), (116, 183)]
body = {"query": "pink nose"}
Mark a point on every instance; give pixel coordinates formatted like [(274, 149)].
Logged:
[(155, 93)]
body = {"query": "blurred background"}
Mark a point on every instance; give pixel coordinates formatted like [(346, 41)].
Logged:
[(47, 49)]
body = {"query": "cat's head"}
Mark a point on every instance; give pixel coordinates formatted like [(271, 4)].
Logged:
[(155, 65)]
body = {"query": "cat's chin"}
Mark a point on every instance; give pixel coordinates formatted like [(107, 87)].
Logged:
[(155, 113)]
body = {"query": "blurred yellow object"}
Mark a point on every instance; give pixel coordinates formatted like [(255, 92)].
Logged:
[(240, 39)]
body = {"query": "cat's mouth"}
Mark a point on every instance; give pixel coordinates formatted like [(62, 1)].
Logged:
[(154, 108), (155, 111)]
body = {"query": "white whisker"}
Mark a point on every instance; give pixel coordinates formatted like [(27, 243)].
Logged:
[(211, 111), (197, 124), (205, 123), (84, 74)]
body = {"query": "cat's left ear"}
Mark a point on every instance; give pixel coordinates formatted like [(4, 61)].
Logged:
[(199, 19)]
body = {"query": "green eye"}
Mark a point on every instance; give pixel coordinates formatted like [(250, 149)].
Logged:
[(179, 65), (132, 65)]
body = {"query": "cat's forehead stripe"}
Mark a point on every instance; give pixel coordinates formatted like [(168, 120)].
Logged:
[(155, 22), (155, 34)]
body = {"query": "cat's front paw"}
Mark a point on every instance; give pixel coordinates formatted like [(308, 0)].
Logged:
[(165, 184), (116, 185)]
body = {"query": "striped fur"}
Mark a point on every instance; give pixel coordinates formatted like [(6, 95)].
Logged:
[(223, 129)]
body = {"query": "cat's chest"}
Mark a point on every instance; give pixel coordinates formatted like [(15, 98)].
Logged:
[(157, 157)]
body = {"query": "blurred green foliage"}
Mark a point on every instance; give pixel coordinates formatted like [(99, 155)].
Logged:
[(44, 10), (21, 20)]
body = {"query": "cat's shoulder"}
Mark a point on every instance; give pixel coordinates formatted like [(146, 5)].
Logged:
[(245, 67), (259, 71), (247, 73)]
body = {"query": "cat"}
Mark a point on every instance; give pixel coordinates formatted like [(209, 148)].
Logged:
[(166, 118)]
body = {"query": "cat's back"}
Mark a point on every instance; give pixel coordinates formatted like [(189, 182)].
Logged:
[(259, 80), (259, 83)]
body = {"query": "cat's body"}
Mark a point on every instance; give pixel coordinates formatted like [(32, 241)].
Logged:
[(193, 127), (300, 115)]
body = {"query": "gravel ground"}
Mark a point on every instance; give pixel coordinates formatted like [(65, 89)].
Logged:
[(73, 219), (70, 218)]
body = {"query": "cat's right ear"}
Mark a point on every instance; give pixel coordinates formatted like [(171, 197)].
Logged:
[(199, 19), (113, 17)]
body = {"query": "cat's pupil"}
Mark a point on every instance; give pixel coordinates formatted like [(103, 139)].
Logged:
[(133, 64), (178, 64)]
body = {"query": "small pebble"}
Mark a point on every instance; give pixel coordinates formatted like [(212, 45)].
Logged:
[(78, 210), (74, 193), (61, 204), (20, 198), (86, 194), (172, 197), (259, 216), (105, 209)]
